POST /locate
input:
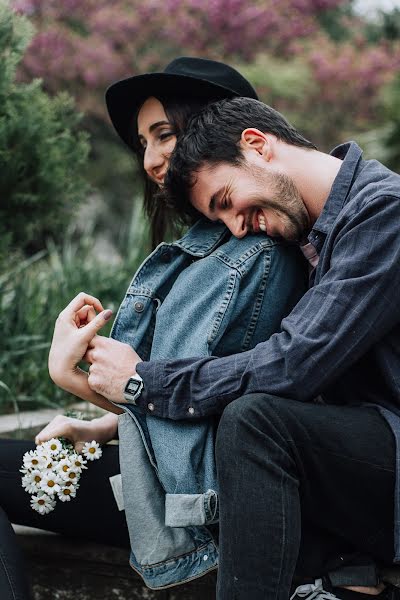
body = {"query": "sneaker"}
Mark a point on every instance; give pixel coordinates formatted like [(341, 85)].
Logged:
[(316, 591), (313, 591)]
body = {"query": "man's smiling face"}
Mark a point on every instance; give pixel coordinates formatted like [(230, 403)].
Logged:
[(251, 197)]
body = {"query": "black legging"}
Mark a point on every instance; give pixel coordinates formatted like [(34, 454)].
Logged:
[(92, 515)]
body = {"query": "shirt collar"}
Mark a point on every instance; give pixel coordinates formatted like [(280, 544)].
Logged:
[(350, 153)]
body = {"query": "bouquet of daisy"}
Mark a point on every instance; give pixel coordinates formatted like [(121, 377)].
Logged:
[(52, 472)]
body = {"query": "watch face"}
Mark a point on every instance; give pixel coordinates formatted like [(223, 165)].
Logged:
[(132, 386)]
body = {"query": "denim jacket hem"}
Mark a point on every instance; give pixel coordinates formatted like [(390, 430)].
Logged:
[(180, 570)]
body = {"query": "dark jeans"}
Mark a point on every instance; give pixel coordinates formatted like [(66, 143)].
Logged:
[(92, 515), (301, 487)]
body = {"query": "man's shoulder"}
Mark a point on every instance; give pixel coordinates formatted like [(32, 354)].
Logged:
[(374, 181), (236, 252)]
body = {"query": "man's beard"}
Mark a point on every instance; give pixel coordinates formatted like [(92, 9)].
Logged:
[(286, 202)]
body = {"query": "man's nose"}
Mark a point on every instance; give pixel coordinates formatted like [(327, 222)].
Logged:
[(236, 224)]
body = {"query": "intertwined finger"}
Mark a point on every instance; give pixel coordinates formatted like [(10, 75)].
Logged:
[(79, 302), (85, 315)]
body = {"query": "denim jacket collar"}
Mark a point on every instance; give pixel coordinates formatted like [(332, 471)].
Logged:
[(202, 238)]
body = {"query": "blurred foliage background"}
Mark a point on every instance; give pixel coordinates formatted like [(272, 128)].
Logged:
[(70, 198)]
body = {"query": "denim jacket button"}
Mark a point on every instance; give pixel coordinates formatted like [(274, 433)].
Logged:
[(205, 557), (139, 307), (191, 410), (150, 406)]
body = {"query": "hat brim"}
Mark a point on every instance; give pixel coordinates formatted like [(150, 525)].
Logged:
[(125, 97)]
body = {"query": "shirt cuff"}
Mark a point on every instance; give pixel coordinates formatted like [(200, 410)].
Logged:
[(154, 399)]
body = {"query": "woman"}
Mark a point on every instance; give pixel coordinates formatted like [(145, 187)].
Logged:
[(170, 309)]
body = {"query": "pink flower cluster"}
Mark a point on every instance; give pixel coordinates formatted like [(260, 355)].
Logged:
[(354, 73), (84, 46)]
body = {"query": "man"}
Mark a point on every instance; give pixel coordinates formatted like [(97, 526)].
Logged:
[(309, 453)]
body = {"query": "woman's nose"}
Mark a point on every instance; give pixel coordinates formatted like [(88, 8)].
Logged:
[(153, 162)]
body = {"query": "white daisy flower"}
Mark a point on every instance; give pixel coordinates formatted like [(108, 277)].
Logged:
[(78, 461), (32, 460), (42, 450), (54, 446), (66, 493), (50, 483), (71, 475), (30, 482), (92, 450), (75, 485), (50, 464), (42, 503), (64, 465)]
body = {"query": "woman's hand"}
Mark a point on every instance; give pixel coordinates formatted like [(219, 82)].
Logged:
[(75, 327), (101, 430)]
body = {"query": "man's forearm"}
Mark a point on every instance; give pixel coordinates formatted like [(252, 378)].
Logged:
[(190, 388)]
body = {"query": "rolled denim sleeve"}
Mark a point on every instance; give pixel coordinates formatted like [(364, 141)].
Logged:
[(353, 304)]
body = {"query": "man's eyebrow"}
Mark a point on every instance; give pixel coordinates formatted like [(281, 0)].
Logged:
[(214, 200), (154, 126)]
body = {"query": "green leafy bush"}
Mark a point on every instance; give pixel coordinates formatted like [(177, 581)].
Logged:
[(392, 132), (34, 291), (41, 154)]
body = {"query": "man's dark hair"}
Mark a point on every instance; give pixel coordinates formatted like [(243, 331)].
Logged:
[(212, 137)]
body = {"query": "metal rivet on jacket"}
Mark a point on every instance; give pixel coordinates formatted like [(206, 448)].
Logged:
[(139, 307)]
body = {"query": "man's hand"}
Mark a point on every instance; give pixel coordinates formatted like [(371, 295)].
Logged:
[(112, 363)]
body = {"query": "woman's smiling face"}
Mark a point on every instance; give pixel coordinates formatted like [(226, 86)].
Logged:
[(157, 138)]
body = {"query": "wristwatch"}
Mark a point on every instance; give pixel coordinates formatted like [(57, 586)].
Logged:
[(133, 388)]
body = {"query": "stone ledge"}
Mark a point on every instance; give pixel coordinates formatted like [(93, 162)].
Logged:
[(62, 568)]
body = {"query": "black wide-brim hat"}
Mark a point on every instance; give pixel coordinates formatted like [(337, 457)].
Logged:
[(191, 77)]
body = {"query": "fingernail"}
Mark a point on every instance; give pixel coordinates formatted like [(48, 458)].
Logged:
[(107, 314)]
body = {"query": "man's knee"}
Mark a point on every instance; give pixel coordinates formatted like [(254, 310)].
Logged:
[(246, 408), (243, 417)]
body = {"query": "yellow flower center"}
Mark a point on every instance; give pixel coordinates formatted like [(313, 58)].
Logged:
[(35, 462), (66, 492), (51, 483), (72, 475), (53, 447), (65, 468), (40, 501), (92, 450), (37, 478)]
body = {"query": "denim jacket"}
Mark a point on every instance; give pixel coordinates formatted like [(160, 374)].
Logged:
[(207, 293)]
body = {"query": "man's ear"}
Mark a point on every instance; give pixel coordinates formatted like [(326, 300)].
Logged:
[(254, 139)]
